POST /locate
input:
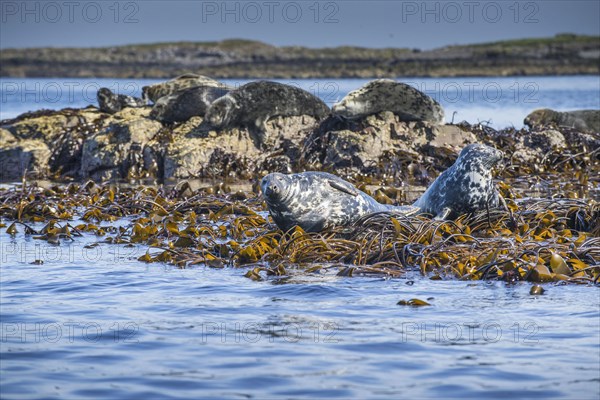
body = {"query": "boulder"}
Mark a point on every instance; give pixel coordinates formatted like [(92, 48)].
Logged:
[(25, 156), (119, 150)]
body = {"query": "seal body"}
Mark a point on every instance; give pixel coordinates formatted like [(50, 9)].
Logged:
[(185, 104), (110, 102), (254, 103), (578, 119), (387, 95), (162, 89), (465, 187), (318, 200)]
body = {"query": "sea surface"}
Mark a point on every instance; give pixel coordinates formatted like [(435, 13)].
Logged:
[(499, 102), (92, 322)]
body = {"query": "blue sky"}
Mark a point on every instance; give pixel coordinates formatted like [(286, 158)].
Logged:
[(412, 24)]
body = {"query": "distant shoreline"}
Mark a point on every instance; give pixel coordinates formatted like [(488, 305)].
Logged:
[(243, 59)]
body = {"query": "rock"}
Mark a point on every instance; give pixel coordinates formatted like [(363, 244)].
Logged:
[(119, 150), (545, 141), (238, 152), (533, 147), (6, 137), (26, 156), (361, 147), (129, 144)]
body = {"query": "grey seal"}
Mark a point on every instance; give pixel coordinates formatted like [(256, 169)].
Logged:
[(185, 104), (154, 92), (110, 102), (318, 200), (465, 187), (578, 119), (253, 104), (380, 95)]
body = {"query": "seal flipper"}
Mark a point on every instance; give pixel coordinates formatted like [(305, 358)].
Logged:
[(442, 215), (343, 187)]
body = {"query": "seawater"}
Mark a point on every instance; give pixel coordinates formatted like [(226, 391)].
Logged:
[(93, 322), (499, 102)]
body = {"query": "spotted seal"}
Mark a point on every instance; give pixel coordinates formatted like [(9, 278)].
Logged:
[(465, 187), (253, 104), (388, 95), (579, 119), (185, 104), (110, 102), (154, 92), (318, 200)]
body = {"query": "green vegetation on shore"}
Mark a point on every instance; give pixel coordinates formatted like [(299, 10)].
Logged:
[(239, 58)]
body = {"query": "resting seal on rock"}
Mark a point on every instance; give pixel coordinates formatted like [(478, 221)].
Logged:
[(162, 89), (317, 200), (387, 95), (465, 187), (579, 119), (254, 103), (185, 104), (111, 103)]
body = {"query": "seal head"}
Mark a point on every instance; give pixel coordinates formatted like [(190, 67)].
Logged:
[(221, 111), (111, 103), (465, 187), (318, 200)]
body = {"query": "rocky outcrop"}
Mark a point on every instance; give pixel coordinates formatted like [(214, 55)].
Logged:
[(129, 144)]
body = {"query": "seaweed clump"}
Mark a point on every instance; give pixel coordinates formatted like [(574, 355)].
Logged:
[(532, 239)]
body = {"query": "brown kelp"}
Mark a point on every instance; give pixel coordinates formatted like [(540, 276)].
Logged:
[(534, 239)]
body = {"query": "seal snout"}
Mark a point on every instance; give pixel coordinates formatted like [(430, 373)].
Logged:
[(272, 185)]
